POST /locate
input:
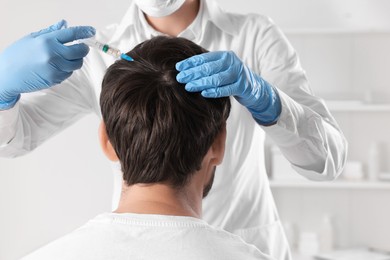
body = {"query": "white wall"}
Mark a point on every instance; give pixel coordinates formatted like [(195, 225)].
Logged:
[(21, 16), (67, 180)]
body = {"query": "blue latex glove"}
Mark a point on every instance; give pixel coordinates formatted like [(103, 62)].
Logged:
[(222, 74), (40, 60)]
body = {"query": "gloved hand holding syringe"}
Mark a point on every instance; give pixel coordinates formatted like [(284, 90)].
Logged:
[(40, 60), (53, 54)]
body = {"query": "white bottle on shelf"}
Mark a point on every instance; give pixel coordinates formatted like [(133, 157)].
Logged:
[(308, 244), (373, 162), (291, 234), (327, 234)]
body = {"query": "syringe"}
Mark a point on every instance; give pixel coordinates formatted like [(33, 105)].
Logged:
[(106, 48)]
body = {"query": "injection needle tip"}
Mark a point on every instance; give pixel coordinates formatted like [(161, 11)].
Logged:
[(126, 57)]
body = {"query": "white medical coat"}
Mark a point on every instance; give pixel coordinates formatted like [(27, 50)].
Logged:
[(241, 201)]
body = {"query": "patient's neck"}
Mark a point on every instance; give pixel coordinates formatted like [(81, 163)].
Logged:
[(177, 22), (160, 199)]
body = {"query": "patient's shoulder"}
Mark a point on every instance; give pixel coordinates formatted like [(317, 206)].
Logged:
[(114, 236), (230, 246)]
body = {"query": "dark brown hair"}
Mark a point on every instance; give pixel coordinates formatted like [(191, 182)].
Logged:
[(159, 131)]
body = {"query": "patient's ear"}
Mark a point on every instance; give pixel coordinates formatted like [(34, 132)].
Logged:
[(106, 144), (217, 149)]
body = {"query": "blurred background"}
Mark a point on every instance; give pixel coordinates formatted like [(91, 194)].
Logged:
[(344, 47)]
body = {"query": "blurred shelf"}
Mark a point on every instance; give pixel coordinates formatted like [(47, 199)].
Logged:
[(330, 31), (356, 106), (361, 185), (350, 253), (297, 256)]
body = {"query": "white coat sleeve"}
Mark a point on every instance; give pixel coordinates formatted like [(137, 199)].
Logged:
[(306, 133), (40, 115)]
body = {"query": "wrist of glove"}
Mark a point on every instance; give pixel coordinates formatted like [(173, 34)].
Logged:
[(262, 99), (4, 105)]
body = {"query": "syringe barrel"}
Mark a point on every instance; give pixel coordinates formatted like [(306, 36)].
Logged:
[(112, 51), (103, 47)]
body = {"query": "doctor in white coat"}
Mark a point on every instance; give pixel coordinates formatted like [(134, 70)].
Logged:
[(250, 60)]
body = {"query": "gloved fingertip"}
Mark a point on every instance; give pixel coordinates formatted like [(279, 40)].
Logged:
[(61, 24), (179, 78), (65, 24), (184, 64), (205, 95), (84, 49), (189, 88), (179, 66), (83, 32), (90, 31), (74, 33), (87, 49), (208, 93), (182, 78), (57, 25)]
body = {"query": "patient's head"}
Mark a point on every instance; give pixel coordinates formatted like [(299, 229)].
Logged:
[(160, 132)]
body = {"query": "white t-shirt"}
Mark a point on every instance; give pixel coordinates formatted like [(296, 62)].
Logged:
[(111, 236)]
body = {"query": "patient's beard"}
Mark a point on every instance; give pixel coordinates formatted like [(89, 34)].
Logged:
[(207, 188)]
